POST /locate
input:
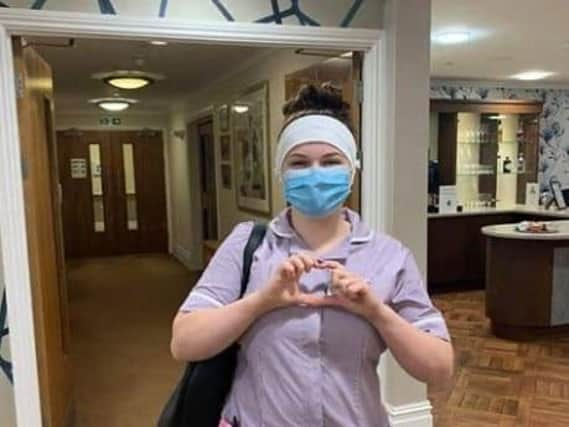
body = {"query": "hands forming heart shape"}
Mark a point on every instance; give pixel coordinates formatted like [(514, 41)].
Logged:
[(350, 291)]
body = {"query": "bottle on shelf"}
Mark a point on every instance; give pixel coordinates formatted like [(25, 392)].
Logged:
[(521, 163), (499, 131), (507, 165), (520, 133)]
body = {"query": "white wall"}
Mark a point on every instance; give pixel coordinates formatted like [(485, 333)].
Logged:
[(129, 120), (273, 67), (406, 89)]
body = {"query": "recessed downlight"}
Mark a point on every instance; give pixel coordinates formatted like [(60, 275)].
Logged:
[(158, 43), (533, 75), (452, 37)]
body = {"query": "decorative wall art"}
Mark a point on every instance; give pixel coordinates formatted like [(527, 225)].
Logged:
[(251, 143)]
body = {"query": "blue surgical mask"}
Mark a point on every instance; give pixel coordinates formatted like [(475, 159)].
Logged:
[(317, 191)]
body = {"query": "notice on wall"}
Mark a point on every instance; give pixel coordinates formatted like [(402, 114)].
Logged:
[(78, 168), (532, 194), (447, 198)]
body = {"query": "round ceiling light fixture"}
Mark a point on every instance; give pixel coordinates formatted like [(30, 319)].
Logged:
[(128, 79), (113, 104), (240, 108), (533, 75), (452, 37)]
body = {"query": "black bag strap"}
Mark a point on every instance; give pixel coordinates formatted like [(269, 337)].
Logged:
[(255, 240)]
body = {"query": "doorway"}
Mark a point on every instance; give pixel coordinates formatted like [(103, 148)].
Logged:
[(28, 406), (208, 185), (113, 186), (343, 72)]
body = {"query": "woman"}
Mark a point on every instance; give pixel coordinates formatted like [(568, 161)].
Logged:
[(326, 297)]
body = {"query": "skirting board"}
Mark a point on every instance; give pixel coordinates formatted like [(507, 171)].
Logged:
[(416, 414), (184, 256)]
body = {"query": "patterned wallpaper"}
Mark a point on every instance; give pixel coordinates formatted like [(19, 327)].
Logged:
[(337, 13), (7, 408), (554, 122), (5, 365)]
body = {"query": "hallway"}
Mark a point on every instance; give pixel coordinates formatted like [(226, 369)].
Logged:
[(121, 310)]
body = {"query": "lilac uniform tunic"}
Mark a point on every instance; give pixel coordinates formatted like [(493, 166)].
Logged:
[(309, 367)]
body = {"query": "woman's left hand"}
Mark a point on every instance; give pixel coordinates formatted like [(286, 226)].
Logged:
[(350, 291)]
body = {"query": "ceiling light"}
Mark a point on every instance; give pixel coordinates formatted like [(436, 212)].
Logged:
[(498, 117), (158, 43), (240, 109), (452, 37), (533, 75), (113, 103), (128, 79)]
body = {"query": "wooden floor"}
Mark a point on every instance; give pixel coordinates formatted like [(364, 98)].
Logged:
[(498, 382)]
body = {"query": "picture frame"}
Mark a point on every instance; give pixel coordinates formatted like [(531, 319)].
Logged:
[(225, 146), (250, 134), (223, 117), (226, 176)]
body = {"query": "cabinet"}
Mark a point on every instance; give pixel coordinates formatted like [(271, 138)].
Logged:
[(489, 150), (456, 249)]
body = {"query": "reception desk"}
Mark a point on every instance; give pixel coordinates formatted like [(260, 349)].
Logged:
[(457, 250), (527, 281)]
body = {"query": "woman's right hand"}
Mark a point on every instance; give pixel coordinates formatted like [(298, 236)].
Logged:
[(283, 288)]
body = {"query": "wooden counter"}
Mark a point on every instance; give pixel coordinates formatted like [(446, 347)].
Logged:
[(527, 281), (456, 254)]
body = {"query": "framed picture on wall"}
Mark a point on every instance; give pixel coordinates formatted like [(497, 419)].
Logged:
[(249, 118), (223, 117), (226, 176), (225, 142)]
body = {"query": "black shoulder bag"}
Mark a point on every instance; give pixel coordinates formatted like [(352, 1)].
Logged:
[(200, 395)]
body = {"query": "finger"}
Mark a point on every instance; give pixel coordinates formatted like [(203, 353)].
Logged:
[(337, 276), (354, 289), (287, 270), (309, 261), (298, 264), (332, 265), (340, 287), (318, 301)]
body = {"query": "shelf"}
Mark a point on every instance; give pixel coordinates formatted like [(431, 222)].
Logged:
[(489, 173), (475, 173), (489, 142)]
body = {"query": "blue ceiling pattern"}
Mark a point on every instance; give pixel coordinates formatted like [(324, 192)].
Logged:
[(5, 365), (294, 9)]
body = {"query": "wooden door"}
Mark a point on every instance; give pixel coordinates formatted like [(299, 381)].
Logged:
[(41, 197), (139, 192), (114, 198), (207, 178), (346, 75), (84, 181)]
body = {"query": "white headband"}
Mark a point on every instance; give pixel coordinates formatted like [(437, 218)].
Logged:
[(317, 128)]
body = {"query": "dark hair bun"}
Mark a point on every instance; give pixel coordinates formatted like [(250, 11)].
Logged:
[(311, 99)]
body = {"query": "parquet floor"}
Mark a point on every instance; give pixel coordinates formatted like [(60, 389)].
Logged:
[(499, 382)]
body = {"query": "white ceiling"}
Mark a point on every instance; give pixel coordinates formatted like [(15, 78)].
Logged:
[(187, 68), (515, 36)]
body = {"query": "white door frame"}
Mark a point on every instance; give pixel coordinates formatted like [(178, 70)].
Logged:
[(14, 268)]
